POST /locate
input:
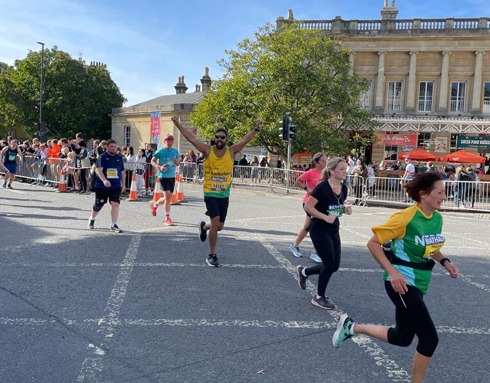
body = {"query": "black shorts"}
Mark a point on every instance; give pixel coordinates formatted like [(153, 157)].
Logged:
[(102, 195), (305, 211), (217, 207), (168, 184)]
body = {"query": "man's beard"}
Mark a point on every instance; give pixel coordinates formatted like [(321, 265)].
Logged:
[(220, 144)]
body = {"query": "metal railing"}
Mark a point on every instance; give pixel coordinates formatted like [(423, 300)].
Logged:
[(467, 195)]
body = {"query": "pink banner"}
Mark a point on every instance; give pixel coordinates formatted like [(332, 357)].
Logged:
[(397, 139), (155, 127)]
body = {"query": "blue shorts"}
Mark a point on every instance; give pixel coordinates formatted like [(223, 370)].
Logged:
[(12, 168), (217, 207)]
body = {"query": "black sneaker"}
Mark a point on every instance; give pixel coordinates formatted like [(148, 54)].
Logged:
[(212, 260), (116, 229), (202, 232), (323, 303), (10, 186), (91, 223), (301, 279)]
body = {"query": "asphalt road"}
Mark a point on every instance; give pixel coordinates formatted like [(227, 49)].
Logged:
[(91, 306)]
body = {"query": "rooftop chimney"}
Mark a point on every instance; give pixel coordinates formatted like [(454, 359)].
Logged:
[(206, 80), (180, 87), (389, 13)]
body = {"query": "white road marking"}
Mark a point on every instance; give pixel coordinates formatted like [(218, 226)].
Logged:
[(92, 366), (156, 322), (393, 370)]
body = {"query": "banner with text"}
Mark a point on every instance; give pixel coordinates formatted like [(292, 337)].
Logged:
[(474, 142), (155, 128), (397, 139)]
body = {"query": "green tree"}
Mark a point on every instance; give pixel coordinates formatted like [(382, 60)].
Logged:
[(295, 71), (76, 97)]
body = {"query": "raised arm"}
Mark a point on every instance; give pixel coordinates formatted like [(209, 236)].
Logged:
[(189, 136), (235, 148)]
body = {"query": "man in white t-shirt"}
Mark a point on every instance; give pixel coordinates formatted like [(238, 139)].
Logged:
[(409, 170), (408, 175)]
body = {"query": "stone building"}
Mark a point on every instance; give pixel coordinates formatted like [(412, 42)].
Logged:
[(132, 126), (429, 79)]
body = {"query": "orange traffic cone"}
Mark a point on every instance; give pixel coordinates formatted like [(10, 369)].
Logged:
[(178, 194), (62, 184), (133, 192), (180, 188), (157, 192)]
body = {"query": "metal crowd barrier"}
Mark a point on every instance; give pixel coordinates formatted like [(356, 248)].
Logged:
[(468, 195)]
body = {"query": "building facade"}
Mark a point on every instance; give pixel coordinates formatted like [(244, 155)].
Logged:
[(428, 78), (149, 121)]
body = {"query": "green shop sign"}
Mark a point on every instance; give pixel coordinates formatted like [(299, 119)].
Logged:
[(473, 142)]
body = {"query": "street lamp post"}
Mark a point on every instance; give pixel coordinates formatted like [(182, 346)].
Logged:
[(41, 87)]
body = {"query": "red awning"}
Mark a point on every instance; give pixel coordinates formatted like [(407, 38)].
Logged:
[(417, 155), (462, 156), (302, 155)]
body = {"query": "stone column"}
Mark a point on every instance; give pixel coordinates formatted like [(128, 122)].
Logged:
[(351, 62), (410, 104), (380, 84), (477, 84), (443, 90)]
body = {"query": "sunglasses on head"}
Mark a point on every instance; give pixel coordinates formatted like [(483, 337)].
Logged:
[(218, 137)]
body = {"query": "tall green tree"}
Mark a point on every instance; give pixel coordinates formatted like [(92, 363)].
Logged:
[(292, 70), (76, 97)]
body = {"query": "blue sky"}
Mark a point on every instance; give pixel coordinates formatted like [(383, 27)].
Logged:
[(148, 44)]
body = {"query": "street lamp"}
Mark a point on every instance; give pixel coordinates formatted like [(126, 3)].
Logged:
[(41, 86)]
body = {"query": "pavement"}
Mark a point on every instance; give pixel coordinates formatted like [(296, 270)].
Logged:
[(80, 305)]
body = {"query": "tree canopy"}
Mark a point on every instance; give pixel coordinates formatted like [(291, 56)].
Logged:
[(76, 97), (292, 70)]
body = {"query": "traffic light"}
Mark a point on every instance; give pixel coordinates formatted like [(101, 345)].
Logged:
[(286, 125), (293, 132)]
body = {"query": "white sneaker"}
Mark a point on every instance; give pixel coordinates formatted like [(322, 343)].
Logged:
[(314, 257), (295, 250)]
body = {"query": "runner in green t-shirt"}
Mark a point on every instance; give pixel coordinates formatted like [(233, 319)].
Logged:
[(416, 240)]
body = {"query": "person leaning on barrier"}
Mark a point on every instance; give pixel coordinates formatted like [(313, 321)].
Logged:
[(218, 171), (359, 173), (416, 239)]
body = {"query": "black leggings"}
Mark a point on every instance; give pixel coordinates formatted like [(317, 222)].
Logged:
[(411, 321), (327, 246)]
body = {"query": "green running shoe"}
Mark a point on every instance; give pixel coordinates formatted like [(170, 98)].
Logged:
[(343, 330)]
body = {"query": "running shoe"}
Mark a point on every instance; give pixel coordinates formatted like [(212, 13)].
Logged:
[(295, 250), (116, 229), (342, 333), (168, 222), (153, 209), (91, 223), (10, 186), (301, 278), (323, 303), (315, 257), (202, 231), (212, 260), (4, 185)]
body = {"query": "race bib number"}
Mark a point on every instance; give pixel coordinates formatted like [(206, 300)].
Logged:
[(12, 157), (111, 173)]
